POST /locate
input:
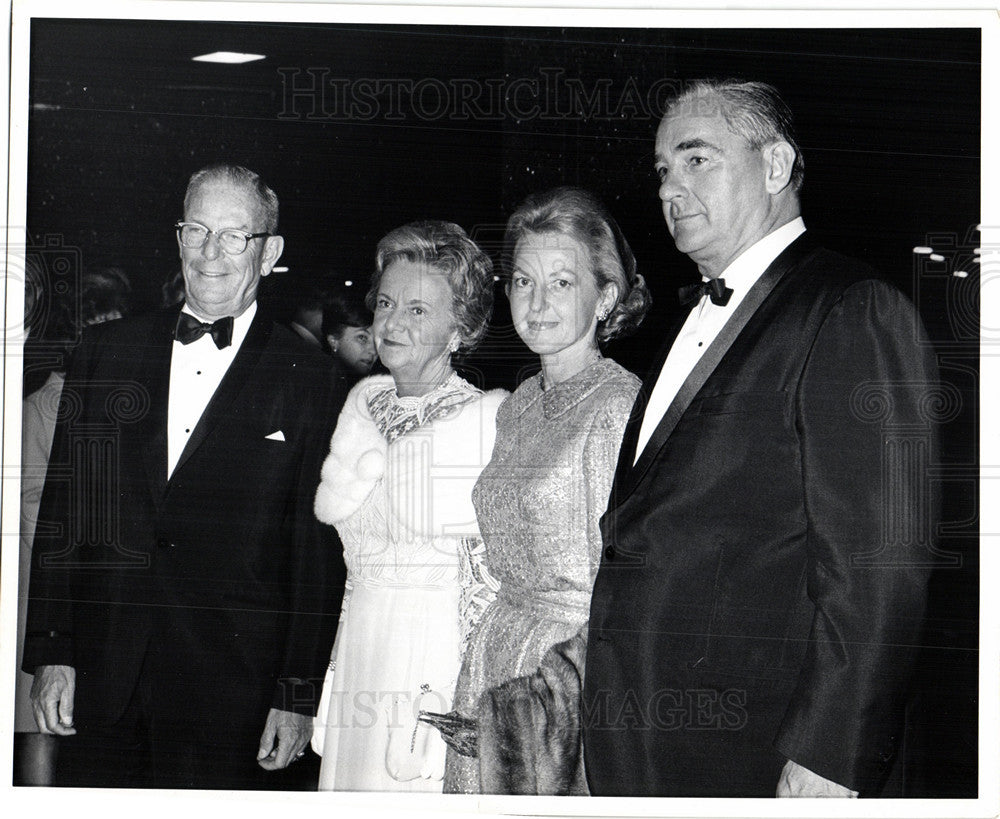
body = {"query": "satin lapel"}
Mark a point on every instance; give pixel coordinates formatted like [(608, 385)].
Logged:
[(232, 382), (155, 375), (786, 260), (626, 455)]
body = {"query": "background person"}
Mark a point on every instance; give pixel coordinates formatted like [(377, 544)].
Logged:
[(307, 320), (347, 332), (103, 296)]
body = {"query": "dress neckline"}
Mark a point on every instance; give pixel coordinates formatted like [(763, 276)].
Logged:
[(396, 415), (565, 395)]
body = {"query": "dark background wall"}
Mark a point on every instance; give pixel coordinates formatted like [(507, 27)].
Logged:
[(361, 128)]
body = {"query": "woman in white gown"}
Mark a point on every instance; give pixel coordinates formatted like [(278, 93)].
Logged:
[(397, 485)]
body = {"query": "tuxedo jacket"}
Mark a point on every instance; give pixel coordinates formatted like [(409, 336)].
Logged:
[(221, 573), (764, 573)]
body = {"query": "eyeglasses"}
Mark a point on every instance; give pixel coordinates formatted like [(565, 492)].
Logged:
[(233, 241)]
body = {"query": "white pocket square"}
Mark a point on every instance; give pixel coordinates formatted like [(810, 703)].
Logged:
[(275, 436)]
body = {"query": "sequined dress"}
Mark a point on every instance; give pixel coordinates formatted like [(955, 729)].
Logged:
[(539, 503), (397, 485)]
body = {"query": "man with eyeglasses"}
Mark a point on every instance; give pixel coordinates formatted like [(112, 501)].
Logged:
[(183, 597)]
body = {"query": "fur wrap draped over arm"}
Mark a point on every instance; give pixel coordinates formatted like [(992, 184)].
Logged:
[(356, 460), (530, 741)]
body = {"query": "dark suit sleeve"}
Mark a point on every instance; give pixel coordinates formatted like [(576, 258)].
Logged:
[(867, 446), (49, 626), (317, 572)]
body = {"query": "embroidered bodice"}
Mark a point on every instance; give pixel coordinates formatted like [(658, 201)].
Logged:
[(398, 483)]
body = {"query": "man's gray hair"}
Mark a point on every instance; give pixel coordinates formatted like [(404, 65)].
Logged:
[(753, 111), (267, 199)]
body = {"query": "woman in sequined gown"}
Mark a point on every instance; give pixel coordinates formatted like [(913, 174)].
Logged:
[(406, 452), (572, 285)]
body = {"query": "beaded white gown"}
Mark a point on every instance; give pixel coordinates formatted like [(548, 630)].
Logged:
[(397, 485)]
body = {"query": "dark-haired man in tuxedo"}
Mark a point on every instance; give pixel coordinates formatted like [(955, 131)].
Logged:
[(183, 598), (764, 573)]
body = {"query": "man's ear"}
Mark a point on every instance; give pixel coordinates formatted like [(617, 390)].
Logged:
[(779, 159), (273, 245)]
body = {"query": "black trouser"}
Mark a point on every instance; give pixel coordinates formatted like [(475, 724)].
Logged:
[(173, 735)]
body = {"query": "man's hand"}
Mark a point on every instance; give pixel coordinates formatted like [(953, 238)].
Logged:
[(798, 781), (52, 693), (285, 737)]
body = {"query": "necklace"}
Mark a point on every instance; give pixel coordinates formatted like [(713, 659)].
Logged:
[(592, 359), (395, 416)]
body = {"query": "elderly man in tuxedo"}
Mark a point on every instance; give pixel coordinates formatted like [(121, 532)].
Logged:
[(764, 573), (183, 599)]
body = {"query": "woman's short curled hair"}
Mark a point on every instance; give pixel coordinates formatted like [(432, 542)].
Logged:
[(578, 213), (447, 249)]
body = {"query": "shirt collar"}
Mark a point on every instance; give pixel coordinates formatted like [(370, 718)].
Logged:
[(750, 265)]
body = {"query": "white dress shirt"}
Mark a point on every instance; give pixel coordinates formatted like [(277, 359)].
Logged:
[(707, 320), (196, 370)]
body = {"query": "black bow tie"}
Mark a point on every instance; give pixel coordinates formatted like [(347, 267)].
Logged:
[(190, 329), (715, 288)]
